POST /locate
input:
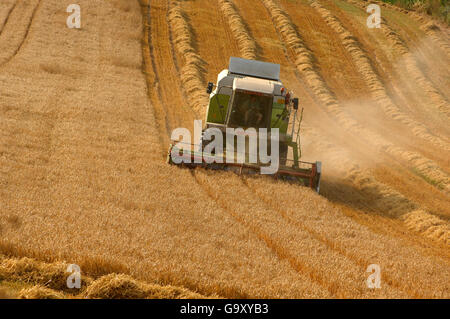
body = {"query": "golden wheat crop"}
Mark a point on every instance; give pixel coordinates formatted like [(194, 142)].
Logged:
[(85, 118)]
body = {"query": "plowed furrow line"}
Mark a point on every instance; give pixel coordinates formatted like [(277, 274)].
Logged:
[(411, 65), (245, 41), (4, 16), (429, 170), (372, 79), (193, 64), (152, 77), (14, 34)]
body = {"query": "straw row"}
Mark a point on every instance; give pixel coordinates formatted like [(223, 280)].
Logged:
[(192, 63), (241, 33)]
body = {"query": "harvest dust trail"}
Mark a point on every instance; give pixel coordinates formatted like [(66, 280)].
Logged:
[(152, 78), (15, 31), (385, 204), (372, 79), (245, 41), (330, 243), (413, 69), (354, 241), (305, 64), (385, 198), (372, 189)]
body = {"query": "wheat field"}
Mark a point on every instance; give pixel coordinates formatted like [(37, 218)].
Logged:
[(85, 122)]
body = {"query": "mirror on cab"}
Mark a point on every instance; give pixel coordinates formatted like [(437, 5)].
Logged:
[(210, 87), (295, 103)]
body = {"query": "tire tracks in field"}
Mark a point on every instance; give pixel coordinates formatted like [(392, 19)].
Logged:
[(29, 14), (372, 79), (152, 78), (279, 251), (424, 167)]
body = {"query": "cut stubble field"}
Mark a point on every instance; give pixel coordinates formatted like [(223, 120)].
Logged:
[(86, 116)]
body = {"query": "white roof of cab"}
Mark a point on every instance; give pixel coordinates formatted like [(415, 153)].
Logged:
[(254, 85), (259, 69)]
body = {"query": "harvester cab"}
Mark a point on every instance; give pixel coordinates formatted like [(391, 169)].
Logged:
[(250, 96)]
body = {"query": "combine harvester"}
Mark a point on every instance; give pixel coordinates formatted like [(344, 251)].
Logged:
[(249, 95)]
